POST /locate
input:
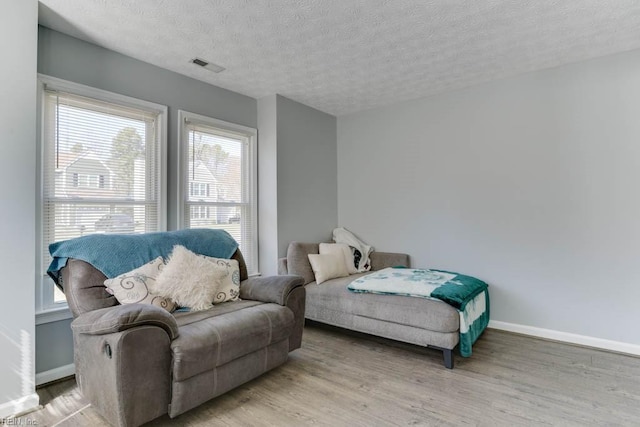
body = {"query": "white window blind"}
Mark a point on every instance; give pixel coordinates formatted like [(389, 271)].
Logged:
[(219, 174), (101, 168)]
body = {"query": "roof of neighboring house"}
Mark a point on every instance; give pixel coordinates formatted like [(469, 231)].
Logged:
[(67, 159)]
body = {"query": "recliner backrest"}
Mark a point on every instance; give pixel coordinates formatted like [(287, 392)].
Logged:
[(83, 285)]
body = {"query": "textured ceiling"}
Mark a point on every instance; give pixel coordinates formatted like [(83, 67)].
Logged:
[(343, 56)]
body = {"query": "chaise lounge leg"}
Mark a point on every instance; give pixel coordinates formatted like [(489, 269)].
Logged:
[(448, 358)]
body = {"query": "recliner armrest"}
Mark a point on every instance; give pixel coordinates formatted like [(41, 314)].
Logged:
[(273, 289), (121, 317)]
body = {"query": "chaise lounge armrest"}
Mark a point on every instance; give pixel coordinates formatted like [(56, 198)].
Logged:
[(273, 289), (122, 317)]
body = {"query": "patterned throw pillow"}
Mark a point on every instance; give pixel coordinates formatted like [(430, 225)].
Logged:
[(229, 289), (133, 287)]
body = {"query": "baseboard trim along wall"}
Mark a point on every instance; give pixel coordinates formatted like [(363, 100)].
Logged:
[(19, 406), (617, 346), (55, 374)]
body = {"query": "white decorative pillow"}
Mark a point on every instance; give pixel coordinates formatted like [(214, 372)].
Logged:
[(328, 266), (340, 249), (229, 289), (189, 279), (134, 286)]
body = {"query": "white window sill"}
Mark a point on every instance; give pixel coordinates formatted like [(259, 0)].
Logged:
[(53, 315)]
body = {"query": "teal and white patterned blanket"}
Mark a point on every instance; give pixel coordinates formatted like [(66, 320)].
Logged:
[(470, 296)]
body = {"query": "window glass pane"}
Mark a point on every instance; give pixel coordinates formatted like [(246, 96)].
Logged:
[(212, 216), (97, 150), (215, 167), (219, 182), (58, 296), (100, 170)]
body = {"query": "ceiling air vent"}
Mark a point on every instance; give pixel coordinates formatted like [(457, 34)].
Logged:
[(209, 66)]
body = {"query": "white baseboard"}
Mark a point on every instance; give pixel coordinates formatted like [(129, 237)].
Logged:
[(617, 346), (55, 374), (19, 406)]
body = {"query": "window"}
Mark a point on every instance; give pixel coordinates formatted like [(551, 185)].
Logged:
[(198, 189), (102, 168), (218, 180), (88, 181), (199, 212)]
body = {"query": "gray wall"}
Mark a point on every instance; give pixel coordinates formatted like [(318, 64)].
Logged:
[(529, 183), (307, 174), (74, 60), (18, 41), (54, 345), (302, 145)]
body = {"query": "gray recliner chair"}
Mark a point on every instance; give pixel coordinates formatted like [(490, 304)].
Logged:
[(137, 362)]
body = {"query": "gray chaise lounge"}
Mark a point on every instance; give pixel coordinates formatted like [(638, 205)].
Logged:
[(418, 321), (137, 362)]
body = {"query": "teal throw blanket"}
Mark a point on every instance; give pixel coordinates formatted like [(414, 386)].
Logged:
[(114, 254)]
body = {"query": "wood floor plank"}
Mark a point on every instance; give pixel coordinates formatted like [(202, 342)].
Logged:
[(341, 378)]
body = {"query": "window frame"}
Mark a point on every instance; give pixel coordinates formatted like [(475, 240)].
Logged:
[(251, 162), (46, 308)]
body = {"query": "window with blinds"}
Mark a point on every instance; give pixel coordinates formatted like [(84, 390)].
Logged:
[(219, 180), (101, 166)]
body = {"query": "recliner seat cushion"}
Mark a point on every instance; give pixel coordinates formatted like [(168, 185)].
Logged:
[(186, 317), (227, 334)]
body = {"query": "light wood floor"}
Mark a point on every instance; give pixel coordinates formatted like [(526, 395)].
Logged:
[(340, 378)]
